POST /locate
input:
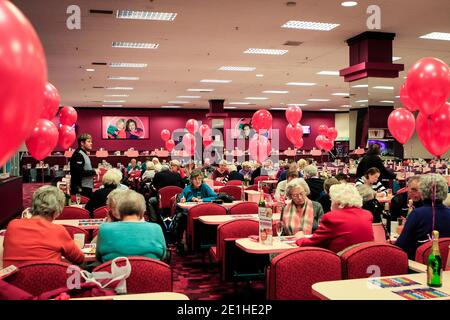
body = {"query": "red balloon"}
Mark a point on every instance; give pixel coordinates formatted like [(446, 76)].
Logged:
[(299, 143), (428, 84), (407, 102), (434, 130), (332, 133), (165, 135), (68, 116), (23, 71), (320, 140), (327, 145), (294, 115), (259, 148), (170, 144), (66, 136), (401, 124), (207, 143), (192, 125), (204, 128), (51, 102), (189, 143), (294, 132), (43, 139), (323, 130), (262, 121)]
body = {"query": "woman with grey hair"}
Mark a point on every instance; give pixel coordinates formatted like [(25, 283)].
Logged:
[(433, 215), (37, 238), (300, 216), (370, 202), (131, 236)]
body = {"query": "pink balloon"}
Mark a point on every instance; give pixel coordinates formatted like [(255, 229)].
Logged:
[(259, 148), (189, 143), (401, 124), (165, 134), (23, 71), (323, 130), (43, 139), (66, 136), (204, 128), (299, 143), (68, 116), (428, 84), (320, 140), (51, 102), (294, 132), (170, 144), (294, 115), (434, 130), (332, 133), (262, 121), (407, 102), (192, 125)]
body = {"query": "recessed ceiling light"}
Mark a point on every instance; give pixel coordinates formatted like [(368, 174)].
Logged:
[(397, 97), (239, 103), (278, 108), (135, 45), (345, 106), (116, 95), (396, 58), (437, 36), (297, 104), (266, 51), (215, 81), (112, 105), (170, 107), (127, 65), (349, 3), (340, 94), (120, 88), (386, 101), (122, 78), (309, 25), (304, 84), (326, 109), (360, 86), (189, 97), (384, 87), (233, 68), (256, 98), (360, 101), (145, 15), (328, 73), (114, 101), (259, 75), (319, 100), (276, 91), (178, 102), (90, 70), (200, 90), (230, 107)]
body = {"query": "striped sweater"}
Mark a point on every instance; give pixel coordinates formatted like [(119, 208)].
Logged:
[(378, 187)]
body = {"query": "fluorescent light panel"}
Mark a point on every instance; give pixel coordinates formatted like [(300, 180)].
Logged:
[(276, 52), (276, 91), (384, 87), (189, 97), (340, 94), (135, 45), (116, 95), (170, 107), (127, 65), (112, 105), (215, 81), (349, 3), (303, 84), (309, 25), (114, 101), (328, 73), (386, 101), (326, 109), (396, 58), (437, 36), (90, 70), (239, 103), (200, 90), (319, 100), (146, 15), (360, 101), (233, 68), (259, 75), (230, 107), (178, 102), (360, 86), (256, 98), (123, 78)]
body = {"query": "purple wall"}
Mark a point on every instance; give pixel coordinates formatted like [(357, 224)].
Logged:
[(89, 120)]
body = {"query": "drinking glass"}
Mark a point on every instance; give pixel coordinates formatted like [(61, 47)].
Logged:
[(279, 227), (78, 198)]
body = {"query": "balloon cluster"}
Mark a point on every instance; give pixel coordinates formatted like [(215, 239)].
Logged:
[(426, 89), (169, 143), (259, 145), (294, 130), (326, 137)]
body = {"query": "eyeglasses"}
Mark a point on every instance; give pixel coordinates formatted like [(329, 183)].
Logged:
[(298, 195)]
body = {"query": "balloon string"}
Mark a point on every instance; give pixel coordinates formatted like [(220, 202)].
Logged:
[(433, 200)]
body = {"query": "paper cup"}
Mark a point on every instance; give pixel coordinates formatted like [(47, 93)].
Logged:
[(79, 239)]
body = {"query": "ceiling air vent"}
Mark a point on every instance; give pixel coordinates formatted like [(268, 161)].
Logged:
[(99, 63), (292, 43), (109, 12)]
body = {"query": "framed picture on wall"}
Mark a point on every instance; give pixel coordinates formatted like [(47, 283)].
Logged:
[(125, 127)]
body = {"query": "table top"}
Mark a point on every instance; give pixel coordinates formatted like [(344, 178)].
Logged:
[(252, 246), (364, 289), (219, 219), (83, 223), (188, 205), (142, 296)]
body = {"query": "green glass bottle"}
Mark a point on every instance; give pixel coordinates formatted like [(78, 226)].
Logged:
[(262, 205), (434, 269)]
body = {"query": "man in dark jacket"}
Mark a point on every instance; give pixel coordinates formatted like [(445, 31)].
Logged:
[(372, 159), (399, 204), (314, 182), (81, 171)]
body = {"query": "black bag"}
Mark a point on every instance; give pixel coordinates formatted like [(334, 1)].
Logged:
[(226, 198)]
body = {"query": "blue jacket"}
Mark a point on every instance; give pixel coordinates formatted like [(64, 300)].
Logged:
[(204, 192), (419, 224)]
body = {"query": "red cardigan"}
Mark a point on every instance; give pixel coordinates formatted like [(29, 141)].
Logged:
[(340, 229)]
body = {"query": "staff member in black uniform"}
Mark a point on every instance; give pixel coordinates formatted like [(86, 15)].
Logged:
[(81, 171)]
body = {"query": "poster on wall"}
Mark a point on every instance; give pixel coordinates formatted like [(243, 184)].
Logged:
[(125, 128), (241, 128)]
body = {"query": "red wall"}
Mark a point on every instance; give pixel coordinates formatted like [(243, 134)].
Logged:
[(89, 120)]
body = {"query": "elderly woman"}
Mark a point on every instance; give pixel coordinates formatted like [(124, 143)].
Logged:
[(111, 180), (300, 216), (37, 238), (197, 191), (157, 164), (221, 173), (131, 236), (420, 222), (370, 203), (314, 182), (234, 174), (246, 170), (325, 199), (345, 225), (370, 178), (149, 172), (280, 192)]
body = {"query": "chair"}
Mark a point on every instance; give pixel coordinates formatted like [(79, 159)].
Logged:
[(292, 273), (101, 212), (202, 209), (234, 183), (165, 194), (260, 178), (379, 233), (244, 208), (357, 260), (217, 183), (73, 213), (39, 277), (83, 200), (424, 250), (147, 275), (234, 191), (74, 230)]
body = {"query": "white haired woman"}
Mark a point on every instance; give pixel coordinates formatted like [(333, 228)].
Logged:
[(300, 216), (419, 224), (345, 225)]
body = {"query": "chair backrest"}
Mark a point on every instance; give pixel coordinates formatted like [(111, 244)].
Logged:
[(447, 264), (234, 183), (101, 212), (73, 213), (83, 199), (166, 193), (147, 275), (379, 233), (218, 183), (74, 230), (292, 273), (39, 277), (234, 191), (373, 259), (424, 250), (260, 178), (244, 208)]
